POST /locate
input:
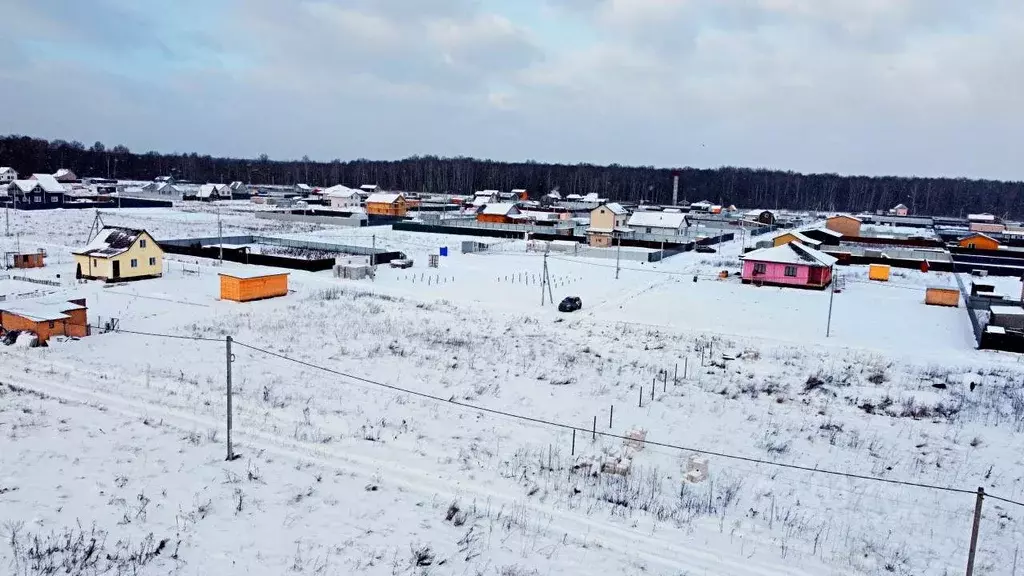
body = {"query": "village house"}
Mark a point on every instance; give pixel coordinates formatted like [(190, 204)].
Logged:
[(484, 197), (498, 213), (35, 259), (167, 179), (304, 189), (796, 236), (702, 206), (845, 225), (791, 264), (366, 190), (117, 254), (41, 191), (606, 221), (978, 241), (899, 210), (46, 317), (520, 194), (64, 175), (165, 189), (213, 192), (7, 175), (342, 197), (239, 189), (382, 204), (660, 223)]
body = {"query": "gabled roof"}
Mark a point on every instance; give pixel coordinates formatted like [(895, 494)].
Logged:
[(554, 194), (48, 182), (488, 193), (518, 190), (6, 169), (615, 208), (657, 220), (111, 241), (501, 209), (63, 173), (900, 207), (237, 185), (977, 234), (791, 253), (164, 186), (847, 216), (369, 187), (207, 190), (304, 187), (47, 309), (26, 185), (807, 241), (381, 198), (340, 191)]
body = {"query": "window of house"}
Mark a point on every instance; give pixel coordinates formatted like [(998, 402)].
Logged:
[(135, 263), (142, 243), (152, 261), (760, 268), (791, 271), (37, 199), (94, 263), (971, 245), (648, 230), (51, 323)]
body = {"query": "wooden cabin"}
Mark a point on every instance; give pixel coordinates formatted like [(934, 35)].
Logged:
[(386, 204), (942, 296), (978, 241), (845, 225), (46, 317), (25, 259)]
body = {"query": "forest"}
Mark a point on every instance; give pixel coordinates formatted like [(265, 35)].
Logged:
[(743, 187)]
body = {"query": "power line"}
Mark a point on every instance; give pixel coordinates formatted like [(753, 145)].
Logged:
[(1007, 500), (549, 423)]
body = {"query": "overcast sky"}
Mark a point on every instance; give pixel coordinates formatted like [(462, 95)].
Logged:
[(926, 87)]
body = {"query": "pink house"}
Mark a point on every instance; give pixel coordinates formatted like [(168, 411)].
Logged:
[(791, 264)]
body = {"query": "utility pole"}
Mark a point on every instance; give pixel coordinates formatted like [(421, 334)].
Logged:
[(7, 219), (974, 531), (545, 280), (618, 252), (373, 252), (220, 236), (831, 297), (230, 359)]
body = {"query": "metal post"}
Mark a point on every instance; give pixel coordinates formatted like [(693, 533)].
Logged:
[(831, 297), (641, 404), (611, 413), (686, 367), (220, 236), (594, 430), (373, 253), (675, 375), (230, 359), (618, 252), (974, 531), (573, 453)]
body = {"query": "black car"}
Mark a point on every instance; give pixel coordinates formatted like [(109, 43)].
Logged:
[(570, 304), (705, 249)]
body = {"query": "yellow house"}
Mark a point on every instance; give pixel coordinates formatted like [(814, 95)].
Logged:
[(120, 254), (605, 220)]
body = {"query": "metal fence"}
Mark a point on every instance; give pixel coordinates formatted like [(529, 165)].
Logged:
[(972, 314)]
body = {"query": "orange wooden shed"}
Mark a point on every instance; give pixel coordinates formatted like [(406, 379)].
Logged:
[(942, 296), (46, 318), (245, 286)]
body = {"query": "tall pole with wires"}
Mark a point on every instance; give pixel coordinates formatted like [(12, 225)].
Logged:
[(220, 236), (230, 359), (618, 253), (831, 297), (545, 281)]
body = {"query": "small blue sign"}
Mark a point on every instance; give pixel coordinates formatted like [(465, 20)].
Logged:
[(444, 251)]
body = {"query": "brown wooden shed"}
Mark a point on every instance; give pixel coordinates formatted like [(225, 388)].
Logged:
[(245, 286), (46, 318), (25, 259)]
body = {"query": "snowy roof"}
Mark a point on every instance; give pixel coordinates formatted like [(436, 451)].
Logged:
[(518, 190), (340, 191), (6, 169), (488, 193), (25, 185), (574, 197), (41, 309), (554, 194), (383, 198), (303, 186), (827, 231), (63, 173), (164, 186), (616, 208), (207, 190), (111, 241), (808, 241), (1007, 310), (48, 182), (657, 220), (702, 204), (791, 253), (981, 217), (369, 187), (500, 209), (237, 185), (900, 207)]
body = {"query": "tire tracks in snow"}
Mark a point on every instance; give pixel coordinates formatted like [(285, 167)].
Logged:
[(661, 549)]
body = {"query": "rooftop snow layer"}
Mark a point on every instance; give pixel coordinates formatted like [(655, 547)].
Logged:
[(657, 220), (111, 241), (791, 253)]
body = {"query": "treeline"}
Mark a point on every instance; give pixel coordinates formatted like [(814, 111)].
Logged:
[(743, 187)]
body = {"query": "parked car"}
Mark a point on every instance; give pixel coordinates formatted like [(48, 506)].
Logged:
[(570, 304), (401, 263), (705, 249)]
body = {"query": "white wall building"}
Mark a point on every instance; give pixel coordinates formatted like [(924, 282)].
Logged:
[(7, 175)]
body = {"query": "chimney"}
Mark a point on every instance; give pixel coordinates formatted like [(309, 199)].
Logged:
[(675, 187)]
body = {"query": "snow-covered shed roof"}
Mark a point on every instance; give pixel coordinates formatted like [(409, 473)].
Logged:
[(48, 182), (500, 209), (248, 273), (369, 187), (518, 191), (488, 193), (380, 198), (791, 253), (808, 241), (1007, 310), (827, 231), (6, 170), (981, 217), (657, 220), (111, 241)]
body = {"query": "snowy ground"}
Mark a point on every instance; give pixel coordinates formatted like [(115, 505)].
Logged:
[(897, 391)]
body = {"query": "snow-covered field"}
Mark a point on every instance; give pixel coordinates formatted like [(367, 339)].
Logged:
[(353, 419)]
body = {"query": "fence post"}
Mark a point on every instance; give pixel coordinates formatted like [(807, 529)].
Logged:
[(675, 375), (611, 413), (641, 404), (594, 432), (573, 442), (230, 359)]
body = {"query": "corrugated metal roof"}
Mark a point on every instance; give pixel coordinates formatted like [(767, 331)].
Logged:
[(383, 198)]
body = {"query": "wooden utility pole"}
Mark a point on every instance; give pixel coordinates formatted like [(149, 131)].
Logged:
[(831, 297), (618, 252), (230, 359), (220, 239), (974, 531)]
